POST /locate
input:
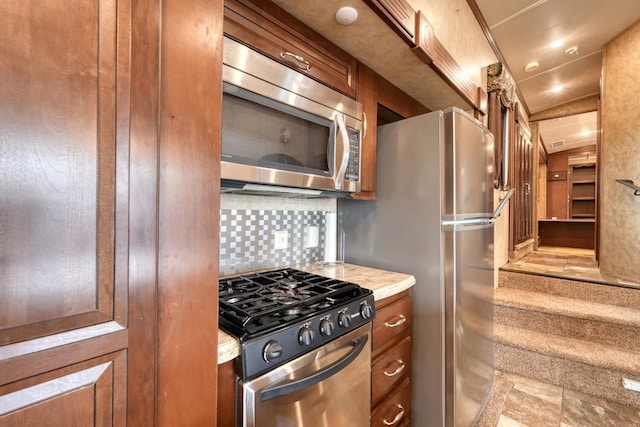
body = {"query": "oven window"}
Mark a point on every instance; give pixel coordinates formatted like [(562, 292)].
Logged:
[(257, 131)]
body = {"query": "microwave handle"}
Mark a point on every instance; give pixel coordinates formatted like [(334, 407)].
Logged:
[(364, 125), (342, 148)]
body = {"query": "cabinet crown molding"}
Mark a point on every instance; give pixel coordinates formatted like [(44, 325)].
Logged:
[(499, 79)]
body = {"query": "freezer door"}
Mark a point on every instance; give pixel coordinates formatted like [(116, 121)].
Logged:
[(468, 323), (468, 167)]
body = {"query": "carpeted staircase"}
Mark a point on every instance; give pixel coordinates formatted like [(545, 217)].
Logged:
[(580, 335)]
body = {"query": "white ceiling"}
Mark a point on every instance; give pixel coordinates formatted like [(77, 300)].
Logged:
[(524, 30), (569, 132)]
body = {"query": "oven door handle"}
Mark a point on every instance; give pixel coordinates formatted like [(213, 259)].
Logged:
[(332, 369)]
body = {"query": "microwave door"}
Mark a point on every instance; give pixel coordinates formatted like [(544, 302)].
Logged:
[(342, 151)]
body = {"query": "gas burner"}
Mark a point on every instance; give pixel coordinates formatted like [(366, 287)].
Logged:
[(277, 305)]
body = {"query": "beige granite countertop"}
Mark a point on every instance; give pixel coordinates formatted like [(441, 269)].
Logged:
[(383, 284)]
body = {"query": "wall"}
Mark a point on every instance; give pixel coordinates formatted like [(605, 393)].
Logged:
[(248, 225), (620, 156), (579, 106)]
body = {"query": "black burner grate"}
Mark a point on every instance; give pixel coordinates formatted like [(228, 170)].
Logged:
[(263, 302)]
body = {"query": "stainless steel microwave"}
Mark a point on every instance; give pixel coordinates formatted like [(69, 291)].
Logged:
[(283, 132)]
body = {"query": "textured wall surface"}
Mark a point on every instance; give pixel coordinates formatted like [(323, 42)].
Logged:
[(619, 208), (583, 105)]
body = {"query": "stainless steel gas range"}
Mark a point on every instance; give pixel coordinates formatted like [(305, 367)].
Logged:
[(305, 348)]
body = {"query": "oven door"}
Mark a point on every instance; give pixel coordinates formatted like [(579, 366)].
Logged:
[(328, 387)]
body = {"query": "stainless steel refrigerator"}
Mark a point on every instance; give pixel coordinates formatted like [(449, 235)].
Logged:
[(433, 218)]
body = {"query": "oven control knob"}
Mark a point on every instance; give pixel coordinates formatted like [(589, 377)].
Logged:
[(344, 320), (326, 327), (272, 351), (366, 311), (306, 335)]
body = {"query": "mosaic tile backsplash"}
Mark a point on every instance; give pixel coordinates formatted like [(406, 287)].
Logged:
[(247, 238)]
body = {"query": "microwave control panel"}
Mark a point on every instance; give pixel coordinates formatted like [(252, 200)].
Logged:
[(353, 167)]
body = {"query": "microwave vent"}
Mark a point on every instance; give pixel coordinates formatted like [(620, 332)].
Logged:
[(238, 187)]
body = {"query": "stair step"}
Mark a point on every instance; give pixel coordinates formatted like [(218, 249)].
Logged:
[(587, 352), (568, 317), (611, 334), (590, 367), (583, 290)]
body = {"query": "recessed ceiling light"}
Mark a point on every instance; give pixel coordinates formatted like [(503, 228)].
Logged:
[(346, 15), (573, 50), (531, 66), (557, 43), (556, 89)]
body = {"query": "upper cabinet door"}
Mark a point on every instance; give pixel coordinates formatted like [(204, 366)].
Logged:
[(263, 26), (64, 168)]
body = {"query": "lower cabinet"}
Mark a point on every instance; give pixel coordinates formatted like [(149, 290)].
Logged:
[(391, 361), (226, 395), (395, 410)]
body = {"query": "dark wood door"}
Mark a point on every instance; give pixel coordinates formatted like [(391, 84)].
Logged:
[(108, 214), (521, 207), (64, 221)]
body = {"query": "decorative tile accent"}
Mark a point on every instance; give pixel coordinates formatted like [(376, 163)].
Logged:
[(247, 238)]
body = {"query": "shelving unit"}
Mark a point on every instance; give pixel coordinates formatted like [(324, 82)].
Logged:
[(582, 191)]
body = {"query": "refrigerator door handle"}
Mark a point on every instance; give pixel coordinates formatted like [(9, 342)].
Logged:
[(452, 224), (503, 203)]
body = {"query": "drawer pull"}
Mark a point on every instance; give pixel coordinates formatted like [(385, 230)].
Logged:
[(288, 55), (396, 324), (397, 371), (397, 418)]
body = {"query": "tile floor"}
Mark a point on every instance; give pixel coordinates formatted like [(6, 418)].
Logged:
[(536, 404), (565, 262)]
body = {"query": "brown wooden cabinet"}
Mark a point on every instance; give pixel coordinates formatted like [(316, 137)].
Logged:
[(65, 144), (267, 28), (226, 395), (108, 229), (571, 184), (391, 361)]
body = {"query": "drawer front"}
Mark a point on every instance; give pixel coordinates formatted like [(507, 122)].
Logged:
[(391, 321), (250, 23), (389, 371), (396, 411)]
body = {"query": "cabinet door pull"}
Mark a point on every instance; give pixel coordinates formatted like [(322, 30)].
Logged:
[(399, 369), (288, 55), (397, 323), (397, 418)]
